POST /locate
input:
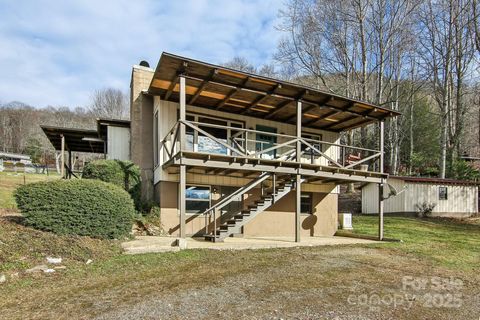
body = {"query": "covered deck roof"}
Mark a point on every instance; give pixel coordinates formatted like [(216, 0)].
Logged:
[(78, 140), (83, 140), (220, 88)]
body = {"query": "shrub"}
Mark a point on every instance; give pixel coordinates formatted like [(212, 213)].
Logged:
[(425, 209), (80, 207), (121, 173)]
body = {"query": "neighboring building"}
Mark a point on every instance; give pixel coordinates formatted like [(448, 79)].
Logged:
[(15, 158), (225, 153), (15, 161), (449, 198)]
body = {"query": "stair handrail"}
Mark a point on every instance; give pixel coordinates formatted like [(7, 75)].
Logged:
[(222, 203), (285, 191), (219, 205)]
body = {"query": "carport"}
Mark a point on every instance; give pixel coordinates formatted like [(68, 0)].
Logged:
[(73, 140)]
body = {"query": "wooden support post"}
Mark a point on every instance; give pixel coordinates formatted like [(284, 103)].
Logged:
[(298, 182), (183, 171), (181, 199), (62, 150), (70, 169), (274, 187), (380, 185)]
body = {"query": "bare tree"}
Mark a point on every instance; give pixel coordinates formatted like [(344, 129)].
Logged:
[(447, 51), (240, 63), (109, 103)]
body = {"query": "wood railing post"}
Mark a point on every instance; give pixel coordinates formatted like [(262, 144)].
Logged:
[(183, 171), (274, 186), (298, 184), (62, 169), (381, 184)]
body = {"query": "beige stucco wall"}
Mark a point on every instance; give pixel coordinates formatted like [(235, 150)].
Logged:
[(279, 220)]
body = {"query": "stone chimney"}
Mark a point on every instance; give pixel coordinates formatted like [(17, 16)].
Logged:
[(141, 127)]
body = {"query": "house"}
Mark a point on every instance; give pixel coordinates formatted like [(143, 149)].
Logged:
[(15, 157), (12, 161), (446, 197), (228, 153)]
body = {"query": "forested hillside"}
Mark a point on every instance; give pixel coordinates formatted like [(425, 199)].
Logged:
[(419, 57)]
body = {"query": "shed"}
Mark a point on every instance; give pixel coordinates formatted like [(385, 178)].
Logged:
[(449, 198)]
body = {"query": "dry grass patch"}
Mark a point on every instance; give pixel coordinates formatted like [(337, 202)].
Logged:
[(22, 247)]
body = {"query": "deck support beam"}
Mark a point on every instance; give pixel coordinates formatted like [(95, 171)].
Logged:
[(70, 169), (381, 184), (183, 171), (62, 168), (298, 178)]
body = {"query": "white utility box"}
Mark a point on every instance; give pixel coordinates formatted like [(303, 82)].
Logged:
[(345, 220)]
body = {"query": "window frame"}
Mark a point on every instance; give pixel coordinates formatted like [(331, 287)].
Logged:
[(312, 154), (198, 200), (442, 193), (229, 128), (308, 195)]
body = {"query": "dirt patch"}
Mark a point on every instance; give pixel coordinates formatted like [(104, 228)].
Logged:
[(9, 213)]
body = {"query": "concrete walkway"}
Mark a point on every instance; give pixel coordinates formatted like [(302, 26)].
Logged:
[(149, 244)]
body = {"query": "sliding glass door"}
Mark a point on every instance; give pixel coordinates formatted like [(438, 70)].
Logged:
[(219, 129)]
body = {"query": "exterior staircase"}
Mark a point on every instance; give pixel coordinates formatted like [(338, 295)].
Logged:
[(234, 225)]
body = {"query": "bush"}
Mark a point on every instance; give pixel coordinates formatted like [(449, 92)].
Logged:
[(121, 173), (425, 209), (79, 207)]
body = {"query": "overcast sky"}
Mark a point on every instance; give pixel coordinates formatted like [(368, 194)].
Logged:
[(57, 52)]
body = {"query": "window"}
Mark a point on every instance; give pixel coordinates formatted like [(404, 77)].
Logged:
[(206, 144), (197, 199), (306, 149), (266, 141), (306, 203), (155, 139), (442, 193), (190, 134), (198, 142)]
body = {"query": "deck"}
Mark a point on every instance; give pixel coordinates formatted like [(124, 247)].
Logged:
[(243, 155), (243, 167)]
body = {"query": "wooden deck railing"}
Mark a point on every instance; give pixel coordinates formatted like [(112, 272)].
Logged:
[(245, 143)]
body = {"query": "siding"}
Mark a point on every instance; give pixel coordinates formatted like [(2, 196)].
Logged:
[(167, 115), (118, 144), (393, 204), (462, 200)]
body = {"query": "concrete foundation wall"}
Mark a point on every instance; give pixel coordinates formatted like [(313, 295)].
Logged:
[(279, 220)]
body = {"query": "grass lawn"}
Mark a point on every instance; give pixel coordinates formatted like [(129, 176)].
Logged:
[(340, 282), (10, 180), (299, 283), (446, 242)]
